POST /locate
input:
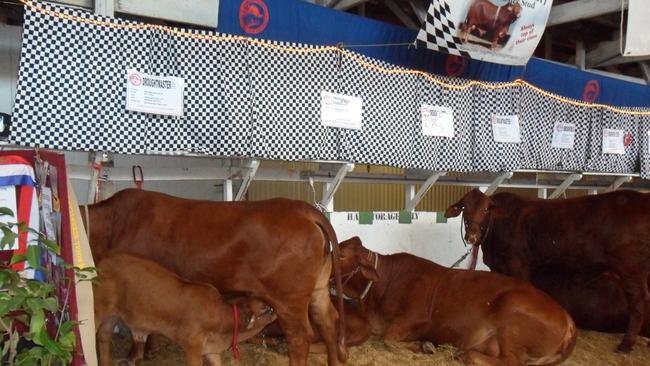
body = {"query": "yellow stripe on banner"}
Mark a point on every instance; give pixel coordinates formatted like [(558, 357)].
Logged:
[(74, 231), (310, 50)]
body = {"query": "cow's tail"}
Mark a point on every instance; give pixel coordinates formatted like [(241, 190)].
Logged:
[(330, 236)]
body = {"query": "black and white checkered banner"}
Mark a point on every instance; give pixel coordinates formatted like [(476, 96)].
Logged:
[(253, 99), (500, 31)]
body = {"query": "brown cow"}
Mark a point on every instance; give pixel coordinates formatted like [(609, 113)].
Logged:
[(489, 18), (595, 300), (357, 329), (152, 299), (606, 231), (494, 319), (276, 250)]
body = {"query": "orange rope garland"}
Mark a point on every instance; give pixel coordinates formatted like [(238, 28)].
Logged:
[(320, 49)]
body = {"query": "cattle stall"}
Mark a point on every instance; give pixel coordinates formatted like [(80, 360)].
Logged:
[(251, 129)]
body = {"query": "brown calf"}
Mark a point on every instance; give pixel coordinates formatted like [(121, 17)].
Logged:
[(494, 319), (151, 299)]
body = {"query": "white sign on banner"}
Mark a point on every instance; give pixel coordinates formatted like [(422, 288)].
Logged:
[(46, 212), (154, 94), (437, 121), (637, 42), (564, 135), (506, 129), (501, 31), (342, 111), (613, 141)]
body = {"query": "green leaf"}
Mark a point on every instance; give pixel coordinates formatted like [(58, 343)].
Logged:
[(34, 256), (6, 211), (68, 326), (37, 326), (51, 245), (14, 303), (50, 304), (4, 277), (8, 237), (17, 258)]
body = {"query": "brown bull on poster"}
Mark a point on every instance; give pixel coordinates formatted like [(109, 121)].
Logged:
[(494, 319), (489, 19), (607, 232), (276, 250)]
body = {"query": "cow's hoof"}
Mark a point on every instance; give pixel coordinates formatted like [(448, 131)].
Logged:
[(428, 347), (624, 347)]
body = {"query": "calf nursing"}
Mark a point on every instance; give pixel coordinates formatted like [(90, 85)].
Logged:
[(151, 299)]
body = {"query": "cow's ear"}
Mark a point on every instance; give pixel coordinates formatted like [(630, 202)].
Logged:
[(492, 204), (370, 273), (454, 210)]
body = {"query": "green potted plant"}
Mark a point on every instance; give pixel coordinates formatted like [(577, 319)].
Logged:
[(27, 304)]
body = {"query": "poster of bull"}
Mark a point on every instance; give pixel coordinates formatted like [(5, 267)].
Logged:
[(500, 31)]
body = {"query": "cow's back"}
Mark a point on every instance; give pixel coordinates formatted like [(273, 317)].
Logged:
[(232, 245), (578, 232)]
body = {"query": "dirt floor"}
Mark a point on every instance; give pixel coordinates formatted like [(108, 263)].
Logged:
[(593, 349)]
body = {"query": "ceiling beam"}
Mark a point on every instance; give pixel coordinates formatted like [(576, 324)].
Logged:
[(419, 10), (201, 12), (625, 60), (604, 52), (401, 15), (609, 53), (582, 9), (645, 70), (348, 4)]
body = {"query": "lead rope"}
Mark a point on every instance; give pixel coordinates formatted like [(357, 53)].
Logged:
[(235, 333), (473, 248)]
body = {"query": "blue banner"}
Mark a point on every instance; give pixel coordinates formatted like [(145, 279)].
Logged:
[(302, 22), (586, 86)]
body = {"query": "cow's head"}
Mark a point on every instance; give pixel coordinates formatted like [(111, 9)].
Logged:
[(514, 9), (255, 313), (476, 209), (357, 267)]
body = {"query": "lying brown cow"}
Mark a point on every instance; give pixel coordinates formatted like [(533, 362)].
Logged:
[(609, 231), (489, 18), (595, 300), (494, 319), (152, 299), (276, 250)]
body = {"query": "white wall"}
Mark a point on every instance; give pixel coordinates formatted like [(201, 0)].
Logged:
[(424, 237), (10, 43)]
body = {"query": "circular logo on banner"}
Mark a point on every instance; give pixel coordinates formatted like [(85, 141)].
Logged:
[(591, 91), (253, 16), (135, 79), (628, 139), (455, 66)]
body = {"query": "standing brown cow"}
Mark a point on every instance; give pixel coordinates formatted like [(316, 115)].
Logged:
[(494, 319), (152, 299), (607, 231), (489, 18), (276, 250), (595, 300)]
